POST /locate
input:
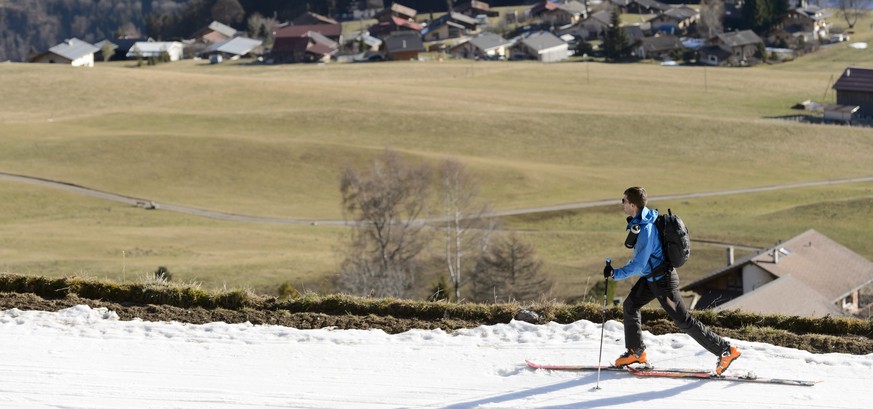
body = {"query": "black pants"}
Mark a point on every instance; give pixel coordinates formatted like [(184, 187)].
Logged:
[(666, 290)]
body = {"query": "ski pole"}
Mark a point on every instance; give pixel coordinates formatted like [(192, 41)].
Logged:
[(603, 324)]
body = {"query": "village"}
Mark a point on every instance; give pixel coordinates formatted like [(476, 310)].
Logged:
[(548, 31)]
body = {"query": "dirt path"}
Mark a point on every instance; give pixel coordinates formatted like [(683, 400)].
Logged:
[(148, 203)]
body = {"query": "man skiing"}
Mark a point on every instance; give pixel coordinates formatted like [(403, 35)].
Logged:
[(657, 279)]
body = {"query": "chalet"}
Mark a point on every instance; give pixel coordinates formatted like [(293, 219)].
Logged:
[(809, 20), (310, 46), (230, 49), (73, 51), (403, 45), (475, 8), (450, 25), (215, 32), (855, 88), (675, 20), (808, 275), (658, 47), (395, 19), (149, 49), (543, 46), (485, 46), (559, 12), (596, 25), (736, 47), (397, 10), (332, 31)]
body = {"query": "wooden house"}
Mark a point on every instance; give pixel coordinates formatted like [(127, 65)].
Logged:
[(403, 46), (855, 88), (215, 32), (736, 47), (675, 20), (394, 19), (309, 46), (657, 47), (559, 12), (450, 25)]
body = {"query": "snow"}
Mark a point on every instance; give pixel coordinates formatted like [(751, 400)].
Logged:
[(87, 358)]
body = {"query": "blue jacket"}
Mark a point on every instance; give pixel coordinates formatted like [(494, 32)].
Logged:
[(647, 252)]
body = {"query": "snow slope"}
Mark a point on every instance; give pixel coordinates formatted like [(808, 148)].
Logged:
[(87, 358)]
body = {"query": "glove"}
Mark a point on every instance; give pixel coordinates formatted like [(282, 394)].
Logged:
[(608, 271)]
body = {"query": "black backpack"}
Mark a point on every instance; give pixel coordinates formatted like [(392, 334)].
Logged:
[(675, 242)]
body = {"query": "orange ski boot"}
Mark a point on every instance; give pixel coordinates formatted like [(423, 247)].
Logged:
[(630, 357), (727, 357)]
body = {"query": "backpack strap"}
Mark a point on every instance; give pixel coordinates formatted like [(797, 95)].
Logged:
[(664, 267)]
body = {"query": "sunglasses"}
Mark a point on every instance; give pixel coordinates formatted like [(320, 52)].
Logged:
[(623, 201)]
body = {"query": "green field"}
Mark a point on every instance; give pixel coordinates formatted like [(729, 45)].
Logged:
[(272, 140)]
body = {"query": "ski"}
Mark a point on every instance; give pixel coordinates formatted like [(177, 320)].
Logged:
[(706, 375), (648, 370), (645, 367)]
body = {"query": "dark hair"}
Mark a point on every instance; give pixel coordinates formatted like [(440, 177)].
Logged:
[(637, 196)]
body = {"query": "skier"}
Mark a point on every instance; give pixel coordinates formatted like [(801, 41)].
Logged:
[(657, 280)]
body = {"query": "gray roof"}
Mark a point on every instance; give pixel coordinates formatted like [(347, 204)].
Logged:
[(543, 40), (572, 7), (682, 13), (73, 48), (815, 12), (487, 41), (661, 43), (236, 46), (222, 28), (740, 38), (781, 297), (855, 79)]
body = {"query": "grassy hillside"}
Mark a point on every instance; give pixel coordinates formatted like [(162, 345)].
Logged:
[(272, 140)]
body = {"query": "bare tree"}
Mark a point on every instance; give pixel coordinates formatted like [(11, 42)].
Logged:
[(386, 201), (711, 13), (851, 10), (466, 233), (509, 270), (262, 27)]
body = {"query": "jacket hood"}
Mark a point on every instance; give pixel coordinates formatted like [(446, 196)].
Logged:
[(646, 216)]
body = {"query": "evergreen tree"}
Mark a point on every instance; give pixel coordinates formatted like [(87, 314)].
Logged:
[(615, 43), (509, 271)]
